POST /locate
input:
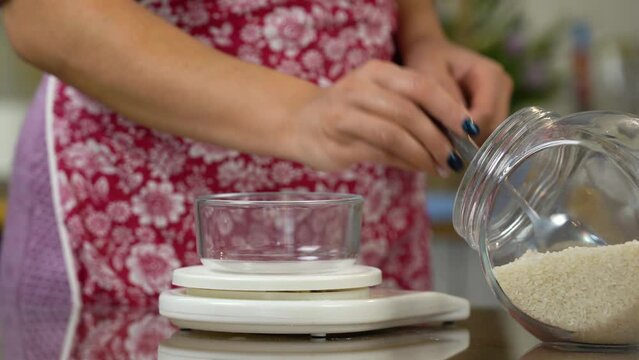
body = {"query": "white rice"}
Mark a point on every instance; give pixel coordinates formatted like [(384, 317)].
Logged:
[(592, 291)]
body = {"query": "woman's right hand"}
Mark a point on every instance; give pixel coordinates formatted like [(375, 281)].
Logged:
[(380, 113)]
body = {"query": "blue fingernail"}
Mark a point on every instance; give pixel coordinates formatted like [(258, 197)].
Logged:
[(455, 162), (470, 127)]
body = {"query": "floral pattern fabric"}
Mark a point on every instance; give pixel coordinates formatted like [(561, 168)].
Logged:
[(134, 333), (126, 191)]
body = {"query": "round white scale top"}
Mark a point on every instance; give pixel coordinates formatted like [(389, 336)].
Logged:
[(199, 277)]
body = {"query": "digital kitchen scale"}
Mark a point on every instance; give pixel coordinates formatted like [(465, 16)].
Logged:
[(342, 301), (284, 263)]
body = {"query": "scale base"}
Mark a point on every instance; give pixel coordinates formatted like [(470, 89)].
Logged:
[(383, 308), (404, 343)]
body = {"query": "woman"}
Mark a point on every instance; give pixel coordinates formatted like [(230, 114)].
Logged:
[(152, 103)]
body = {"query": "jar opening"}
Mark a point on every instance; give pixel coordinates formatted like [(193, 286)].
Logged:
[(493, 162), (578, 165)]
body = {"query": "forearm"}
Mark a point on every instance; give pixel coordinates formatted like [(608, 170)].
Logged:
[(418, 21), (154, 74)]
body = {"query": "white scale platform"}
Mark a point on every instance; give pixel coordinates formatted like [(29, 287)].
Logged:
[(317, 304)]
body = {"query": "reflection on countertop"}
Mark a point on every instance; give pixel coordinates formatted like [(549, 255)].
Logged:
[(544, 352), (127, 333), (404, 343)]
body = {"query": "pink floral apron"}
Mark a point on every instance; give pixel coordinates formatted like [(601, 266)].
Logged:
[(125, 192)]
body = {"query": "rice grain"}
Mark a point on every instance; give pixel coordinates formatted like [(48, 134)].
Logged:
[(591, 291)]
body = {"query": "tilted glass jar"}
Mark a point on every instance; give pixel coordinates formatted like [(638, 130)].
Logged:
[(585, 166)]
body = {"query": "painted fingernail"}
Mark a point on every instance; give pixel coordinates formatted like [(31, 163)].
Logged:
[(443, 172), (470, 127), (455, 162)]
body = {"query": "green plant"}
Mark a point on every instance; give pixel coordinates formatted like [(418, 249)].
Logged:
[(497, 29)]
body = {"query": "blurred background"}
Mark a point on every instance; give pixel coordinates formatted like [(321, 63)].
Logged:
[(566, 55)]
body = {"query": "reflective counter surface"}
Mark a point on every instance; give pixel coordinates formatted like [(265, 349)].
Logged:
[(124, 333)]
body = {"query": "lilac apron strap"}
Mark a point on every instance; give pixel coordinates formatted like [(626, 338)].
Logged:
[(32, 263)]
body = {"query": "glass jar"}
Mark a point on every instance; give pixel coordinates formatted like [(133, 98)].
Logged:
[(585, 166), (279, 232)]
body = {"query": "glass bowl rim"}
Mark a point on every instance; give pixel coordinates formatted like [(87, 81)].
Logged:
[(317, 198)]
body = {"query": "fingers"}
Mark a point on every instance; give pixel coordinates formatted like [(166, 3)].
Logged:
[(387, 138), (503, 102), (447, 81), (383, 113), (385, 104), (426, 93), (361, 151), (489, 89)]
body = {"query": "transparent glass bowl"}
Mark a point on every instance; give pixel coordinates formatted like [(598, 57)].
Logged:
[(278, 233)]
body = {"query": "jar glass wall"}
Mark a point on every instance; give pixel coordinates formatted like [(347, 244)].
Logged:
[(583, 167)]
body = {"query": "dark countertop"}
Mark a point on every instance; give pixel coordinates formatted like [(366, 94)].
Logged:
[(123, 333)]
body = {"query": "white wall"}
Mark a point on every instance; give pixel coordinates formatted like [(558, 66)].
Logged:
[(609, 18), (12, 112), (17, 84), (17, 79)]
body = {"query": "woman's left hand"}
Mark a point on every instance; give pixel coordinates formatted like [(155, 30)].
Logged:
[(477, 81)]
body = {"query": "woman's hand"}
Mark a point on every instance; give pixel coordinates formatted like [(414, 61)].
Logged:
[(374, 114), (469, 77)]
